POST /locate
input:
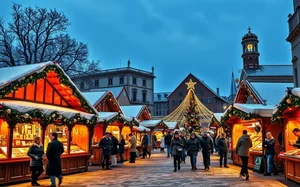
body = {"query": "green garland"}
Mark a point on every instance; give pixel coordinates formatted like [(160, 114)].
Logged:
[(15, 117), (214, 120), (122, 120), (30, 79), (236, 112), (289, 101)]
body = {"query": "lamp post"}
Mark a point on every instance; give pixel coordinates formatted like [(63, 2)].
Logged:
[(224, 106)]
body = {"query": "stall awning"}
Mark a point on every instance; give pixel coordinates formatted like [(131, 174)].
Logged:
[(141, 128), (105, 116), (23, 106), (152, 124), (171, 125), (259, 109)]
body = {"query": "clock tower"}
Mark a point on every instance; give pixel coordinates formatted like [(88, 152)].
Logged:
[(250, 50)]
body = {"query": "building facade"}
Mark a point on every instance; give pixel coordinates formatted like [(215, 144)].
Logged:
[(294, 39), (208, 97), (161, 104), (139, 84)]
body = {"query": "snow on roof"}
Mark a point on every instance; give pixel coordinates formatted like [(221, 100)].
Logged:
[(115, 90), (150, 123), (10, 74), (218, 116), (141, 128), (271, 92), (132, 110), (271, 70), (171, 125), (296, 92), (93, 97), (106, 115), (23, 106), (259, 109), (161, 96)]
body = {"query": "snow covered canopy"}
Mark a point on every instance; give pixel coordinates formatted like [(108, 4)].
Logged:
[(139, 112), (154, 124), (171, 125), (44, 83), (140, 128), (103, 101)]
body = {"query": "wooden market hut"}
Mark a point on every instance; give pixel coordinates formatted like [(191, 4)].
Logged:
[(36, 100), (288, 113), (216, 126), (111, 120), (256, 119)]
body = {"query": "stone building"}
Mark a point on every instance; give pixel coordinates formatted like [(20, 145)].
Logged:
[(139, 84), (161, 104)]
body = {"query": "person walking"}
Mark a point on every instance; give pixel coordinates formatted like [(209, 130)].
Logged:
[(162, 144), (154, 139), (222, 147), (168, 140), (145, 144), (54, 151), (132, 148), (121, 148), (242, 148), (183, 153), (176, 147), (269, 145), (193, 147), (207, 149), (114, 150), (36, 154), (106, 145)]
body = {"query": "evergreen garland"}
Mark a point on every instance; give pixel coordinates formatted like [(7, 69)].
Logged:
[(238, 113), (288, 102)]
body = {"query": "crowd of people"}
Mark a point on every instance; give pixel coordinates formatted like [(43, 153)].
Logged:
[(177, 146)]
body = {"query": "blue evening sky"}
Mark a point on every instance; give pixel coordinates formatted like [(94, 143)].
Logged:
[(175, 36)]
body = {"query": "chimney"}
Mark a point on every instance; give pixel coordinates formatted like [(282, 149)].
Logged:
[(128, 63), (218, 91), (152, 69)]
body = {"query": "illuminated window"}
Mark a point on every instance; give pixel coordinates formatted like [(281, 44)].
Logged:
[(250, 47), (80, 139), (62, 135), (3, 139)]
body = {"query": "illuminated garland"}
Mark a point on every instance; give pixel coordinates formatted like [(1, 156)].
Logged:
[(289, 101), (15, 117), (236, 112), (214, 120), (30, 79), (120, 119)]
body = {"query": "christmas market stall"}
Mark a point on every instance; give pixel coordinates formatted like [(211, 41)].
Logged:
[(288, 113), (256, 119), (36, 100), (216, 126), (155, 126), (138, 131)]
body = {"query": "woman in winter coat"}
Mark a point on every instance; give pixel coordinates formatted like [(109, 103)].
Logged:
[(121, 148), (36, 154), (269, 145), (177, 148), (162, 144), (193, 147)]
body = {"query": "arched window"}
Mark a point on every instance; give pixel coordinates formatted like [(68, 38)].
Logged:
[(250, 47)]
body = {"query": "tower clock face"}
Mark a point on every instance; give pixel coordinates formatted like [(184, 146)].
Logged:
[(250, 47)]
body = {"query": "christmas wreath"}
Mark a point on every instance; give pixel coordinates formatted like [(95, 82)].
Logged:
[(257, 128)]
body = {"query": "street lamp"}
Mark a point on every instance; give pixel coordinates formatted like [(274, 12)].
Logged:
[(224, 106)]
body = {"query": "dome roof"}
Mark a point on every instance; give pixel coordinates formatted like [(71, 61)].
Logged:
[(250, 35)]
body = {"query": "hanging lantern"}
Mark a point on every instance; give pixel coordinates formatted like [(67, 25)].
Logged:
[(8, 111), (288, 101)]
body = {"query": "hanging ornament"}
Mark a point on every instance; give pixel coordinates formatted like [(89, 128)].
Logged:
[(75, 120), (26, 115), (53, 115), (60, 117), (8, 111), (288, 101), (230, 115)]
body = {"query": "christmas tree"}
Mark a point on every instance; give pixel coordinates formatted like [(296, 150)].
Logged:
[(191, 113)]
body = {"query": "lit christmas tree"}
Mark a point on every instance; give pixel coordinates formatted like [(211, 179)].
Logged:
[(192, 115)]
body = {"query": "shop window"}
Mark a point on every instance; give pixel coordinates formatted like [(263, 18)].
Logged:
[(3, 139), (134, 80), (121, 80), (80, 139), (115, 130), (291, 137), (62, 135), (23, 136), (98, 134), (126, 131)]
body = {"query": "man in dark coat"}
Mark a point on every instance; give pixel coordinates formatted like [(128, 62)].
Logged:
[(207, 149), (54, 151), (106, 146), (145, 143), (223, 145), (242, 148), (114, 150), (168, 140)]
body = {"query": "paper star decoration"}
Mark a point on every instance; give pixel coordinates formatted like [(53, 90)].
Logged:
[(191, 84)]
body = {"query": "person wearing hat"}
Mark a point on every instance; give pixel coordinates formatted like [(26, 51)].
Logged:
[(106, 145), (177, 148)]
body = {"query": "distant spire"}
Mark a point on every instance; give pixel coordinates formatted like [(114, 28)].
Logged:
[(233, 88), (249, 29)]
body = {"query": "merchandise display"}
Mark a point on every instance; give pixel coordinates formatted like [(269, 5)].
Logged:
[(76, 149), (80, 139), (3, 152), (256, 143), (62, 136), (19, 152)]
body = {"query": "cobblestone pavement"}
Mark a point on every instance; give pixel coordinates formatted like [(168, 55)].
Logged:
[(158, 171)]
